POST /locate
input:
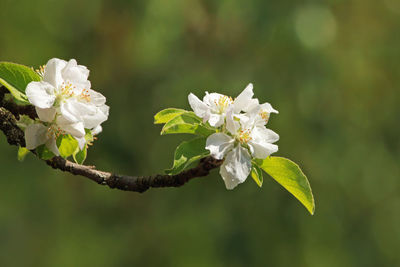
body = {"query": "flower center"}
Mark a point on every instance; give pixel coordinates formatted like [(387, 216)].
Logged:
[(244, 136), (67, 89), (222, 103), (54, 131)]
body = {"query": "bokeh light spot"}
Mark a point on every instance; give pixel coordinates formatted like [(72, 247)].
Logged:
[(315, 26)]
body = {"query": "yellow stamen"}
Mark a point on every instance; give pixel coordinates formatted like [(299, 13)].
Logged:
[(223, 102), (85, 95), (41, 70), (54, 131), (67, 89), (244, 136), (265, 116)]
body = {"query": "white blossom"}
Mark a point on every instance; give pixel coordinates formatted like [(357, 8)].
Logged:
[(38, 133), (214, 106), (64, 101), (243, 136)]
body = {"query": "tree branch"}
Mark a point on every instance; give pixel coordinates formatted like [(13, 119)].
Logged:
[(15, 136)]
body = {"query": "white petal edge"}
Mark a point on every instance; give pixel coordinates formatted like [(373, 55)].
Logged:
[(264, 134), (75, 73), (243, 99), (231, 125), (40, 94), (219, 144), (216, 120), (46, 114), (35, 135), (236, 167), (268, 108), (76, 129), (52, 73), (200, 109), (51, 144), (262, 150)]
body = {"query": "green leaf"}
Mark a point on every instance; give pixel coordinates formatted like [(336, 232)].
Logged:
[(186, 123), (289, 175), (44, 153), (16, 77), (67, 145), (22, 152), (89, 136), (187, 153), (168, 114), (257, 175), (80, 155)]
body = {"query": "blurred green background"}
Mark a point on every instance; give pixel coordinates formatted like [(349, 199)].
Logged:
[(330, 67)]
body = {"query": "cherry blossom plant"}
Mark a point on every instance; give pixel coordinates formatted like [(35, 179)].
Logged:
[(68, 114)]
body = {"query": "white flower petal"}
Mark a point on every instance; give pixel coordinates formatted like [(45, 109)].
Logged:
[(46, 114), (236, 167), (231, 125), (219, 144), (216, 120), (262, 149), (244, 99), (266, 107), (40, 94), (52, 73), (200, 109), (92, 120), (35, 135), (68, 113), (75, 73), (51, 144), (98, 129), (77, 130), (262, 133), (261, 142), (96, 98), (230, 180), (211, 100)]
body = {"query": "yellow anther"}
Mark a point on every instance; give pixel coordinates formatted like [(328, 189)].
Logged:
[(85, 95), (54, 131), (264, 115), (244, 136), (67, 89), (223, 102), (41, 70)]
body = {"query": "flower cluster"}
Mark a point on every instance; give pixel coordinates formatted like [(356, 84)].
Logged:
[(241, 133), (65, 104)]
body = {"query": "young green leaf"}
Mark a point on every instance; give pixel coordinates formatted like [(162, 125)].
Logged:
[(89, 136), (67, 145), (80, 155), (168, 114), (44, 153), (187, 153), (16, 77), (289, 175), (257, 175), (22, 152), (186, 123)]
